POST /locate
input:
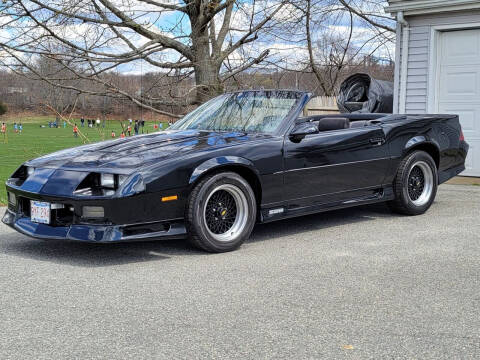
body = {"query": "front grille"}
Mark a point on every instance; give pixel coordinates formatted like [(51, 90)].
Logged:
[(62, 217), (59, 217), (24, 206)]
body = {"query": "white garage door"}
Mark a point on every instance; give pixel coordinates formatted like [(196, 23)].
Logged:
[(459, 87)]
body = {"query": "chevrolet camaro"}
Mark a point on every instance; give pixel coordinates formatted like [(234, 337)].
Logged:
[(241, 158)]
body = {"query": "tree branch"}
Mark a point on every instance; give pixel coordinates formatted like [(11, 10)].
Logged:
[(367, 18)]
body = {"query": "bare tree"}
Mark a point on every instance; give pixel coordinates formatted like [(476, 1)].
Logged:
[(371, 12), (205, 39), (60, 99), (165, 54), (334, 50)]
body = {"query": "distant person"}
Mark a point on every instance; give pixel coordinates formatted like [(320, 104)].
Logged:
[(129, 130), (160, 126), (4, 129), (64, 124), (75, 130), (155, 126), (130, 121), (82, 122), (20, 127), (135, 127), (15, 127), (122, 135), (142, 124), (98, 122), (113, 134)]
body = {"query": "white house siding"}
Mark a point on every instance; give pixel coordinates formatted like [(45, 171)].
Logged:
[(419, 54)]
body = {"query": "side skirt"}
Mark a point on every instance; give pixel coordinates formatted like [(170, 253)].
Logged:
[(279, 213)]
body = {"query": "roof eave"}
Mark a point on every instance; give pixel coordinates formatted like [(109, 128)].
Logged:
[(419, 7)]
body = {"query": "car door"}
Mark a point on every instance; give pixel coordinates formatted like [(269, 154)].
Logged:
[(334, 165)]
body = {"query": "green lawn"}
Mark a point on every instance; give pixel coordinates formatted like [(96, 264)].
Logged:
[(34, 141)]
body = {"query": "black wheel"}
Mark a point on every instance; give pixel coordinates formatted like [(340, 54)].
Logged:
[(221, 212), (415, 184)]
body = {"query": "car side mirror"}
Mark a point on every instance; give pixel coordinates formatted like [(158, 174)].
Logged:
[(302, 130)]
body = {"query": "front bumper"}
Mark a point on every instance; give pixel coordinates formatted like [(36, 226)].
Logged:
[(132, 218), (95, 233)]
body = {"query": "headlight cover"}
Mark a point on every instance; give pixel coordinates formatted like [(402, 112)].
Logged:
[(30, 171), (21, 175), (100, 184), (112, 181), (107, 181)]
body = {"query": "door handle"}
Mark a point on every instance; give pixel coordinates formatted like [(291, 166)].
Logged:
[(377, 141)]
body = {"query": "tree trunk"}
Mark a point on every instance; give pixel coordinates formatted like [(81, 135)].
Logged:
[(207, 81), (207, 70)]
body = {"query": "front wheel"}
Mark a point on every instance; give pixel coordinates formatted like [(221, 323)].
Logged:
[(221, 212), (415, 184)]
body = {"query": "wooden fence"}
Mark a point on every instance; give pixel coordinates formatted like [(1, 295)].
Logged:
[(321, 105)]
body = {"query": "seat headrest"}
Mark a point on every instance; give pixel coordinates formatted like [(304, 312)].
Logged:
[(337, 123)]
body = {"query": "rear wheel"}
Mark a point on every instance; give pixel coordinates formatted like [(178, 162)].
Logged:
[(415, 184), (221, 212)]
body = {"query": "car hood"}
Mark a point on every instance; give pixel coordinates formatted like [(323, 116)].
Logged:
[(126, 155)]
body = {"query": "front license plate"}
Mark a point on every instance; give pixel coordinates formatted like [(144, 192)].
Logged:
[(40, 212)]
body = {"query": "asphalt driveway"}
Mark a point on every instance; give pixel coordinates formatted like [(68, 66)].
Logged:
[(358, 283)]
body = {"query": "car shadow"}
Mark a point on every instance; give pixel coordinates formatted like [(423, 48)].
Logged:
[(93, 255), (323, 220), (104, 255)]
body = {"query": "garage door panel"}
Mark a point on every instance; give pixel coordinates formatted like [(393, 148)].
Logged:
[(469, 117), (461, 46), (458, 87), (456, 83), (461, 83), (473, 60)]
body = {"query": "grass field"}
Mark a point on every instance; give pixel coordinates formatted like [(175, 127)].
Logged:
[(34, 141)]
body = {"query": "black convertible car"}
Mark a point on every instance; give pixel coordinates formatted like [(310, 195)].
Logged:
[(241, 158)]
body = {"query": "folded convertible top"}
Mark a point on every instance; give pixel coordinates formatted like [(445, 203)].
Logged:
[(361, 93)]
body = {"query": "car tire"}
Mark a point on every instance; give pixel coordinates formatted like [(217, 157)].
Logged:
[(415, 184), (221, 212)]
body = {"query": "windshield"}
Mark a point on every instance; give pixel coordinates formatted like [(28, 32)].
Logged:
[(249, 111)]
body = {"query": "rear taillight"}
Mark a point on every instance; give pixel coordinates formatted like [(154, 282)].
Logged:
[(462, 138)]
